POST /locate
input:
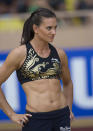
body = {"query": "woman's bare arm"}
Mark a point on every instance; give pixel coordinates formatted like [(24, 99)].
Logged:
[(12, 63), (66, 79)]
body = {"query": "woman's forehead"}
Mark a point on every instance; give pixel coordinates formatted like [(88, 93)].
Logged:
[(47, 21)]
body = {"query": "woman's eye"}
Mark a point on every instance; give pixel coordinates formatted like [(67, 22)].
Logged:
[(56, 27), (49, 28)]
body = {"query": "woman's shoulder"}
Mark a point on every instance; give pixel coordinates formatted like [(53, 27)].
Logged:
[(18, 51), (61, 53), (14, 58), (16, 55)]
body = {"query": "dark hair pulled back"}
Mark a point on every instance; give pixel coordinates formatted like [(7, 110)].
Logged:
[(35, 18)]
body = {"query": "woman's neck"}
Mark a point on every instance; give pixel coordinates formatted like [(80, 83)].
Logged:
[(39, 44)]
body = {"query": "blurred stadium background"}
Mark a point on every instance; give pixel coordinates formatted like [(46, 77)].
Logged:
[(74, 34)]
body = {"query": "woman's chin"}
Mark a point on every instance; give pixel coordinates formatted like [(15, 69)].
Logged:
[(51, 40)]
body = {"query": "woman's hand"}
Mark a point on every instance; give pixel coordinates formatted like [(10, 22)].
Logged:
[(20, 119), (71, 116)]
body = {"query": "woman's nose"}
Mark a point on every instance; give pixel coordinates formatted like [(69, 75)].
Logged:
[(53, 31)]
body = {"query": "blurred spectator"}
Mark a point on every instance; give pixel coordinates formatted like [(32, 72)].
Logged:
[(57, 4), (23, 5), (84, 4), (89, 4), (14, 6), (38, 3), (50, 4), (6, 6), (81, 5)]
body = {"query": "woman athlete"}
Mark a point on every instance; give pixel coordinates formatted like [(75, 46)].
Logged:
[(40, 66)]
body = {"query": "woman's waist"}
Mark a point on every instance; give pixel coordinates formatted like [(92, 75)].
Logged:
[(40, 104), (60, 112)]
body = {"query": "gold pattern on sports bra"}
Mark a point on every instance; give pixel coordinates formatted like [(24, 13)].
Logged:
[(30, 70)]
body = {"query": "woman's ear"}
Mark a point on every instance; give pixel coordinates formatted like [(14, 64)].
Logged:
[(35, 28)]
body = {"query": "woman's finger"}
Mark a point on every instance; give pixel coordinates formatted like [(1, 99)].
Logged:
[(20, 123), (28, 115), (26, 118)]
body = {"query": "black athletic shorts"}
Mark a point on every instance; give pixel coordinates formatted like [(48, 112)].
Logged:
[(58, 120)]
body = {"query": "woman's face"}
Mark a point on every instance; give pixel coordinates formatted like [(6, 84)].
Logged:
[(47, 29)]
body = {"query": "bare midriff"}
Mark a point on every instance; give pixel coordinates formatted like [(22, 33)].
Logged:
[(44, 95)]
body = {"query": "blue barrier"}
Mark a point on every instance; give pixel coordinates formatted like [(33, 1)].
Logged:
[(81, 67)]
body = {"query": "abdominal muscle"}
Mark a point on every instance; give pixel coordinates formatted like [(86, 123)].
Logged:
[(44, 95)]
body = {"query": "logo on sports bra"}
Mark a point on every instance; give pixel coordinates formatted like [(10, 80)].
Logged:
[(53, 59), (65, 129)]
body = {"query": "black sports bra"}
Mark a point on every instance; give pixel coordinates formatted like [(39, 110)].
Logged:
[(36, 67)]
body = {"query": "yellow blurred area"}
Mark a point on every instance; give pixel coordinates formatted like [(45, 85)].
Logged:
[(70, 4), (11, 24)]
